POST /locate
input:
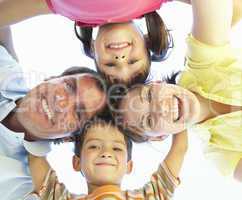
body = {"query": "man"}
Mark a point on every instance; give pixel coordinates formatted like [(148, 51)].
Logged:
[(53, 109)]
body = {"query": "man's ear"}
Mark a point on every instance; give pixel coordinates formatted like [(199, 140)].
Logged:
[(76, 163), (129, 167)]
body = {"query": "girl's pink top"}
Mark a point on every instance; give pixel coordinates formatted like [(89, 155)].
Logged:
[(98, 12)]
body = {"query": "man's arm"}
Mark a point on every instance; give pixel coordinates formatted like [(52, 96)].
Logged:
[(6, 41), (13, 11), (175, 156)]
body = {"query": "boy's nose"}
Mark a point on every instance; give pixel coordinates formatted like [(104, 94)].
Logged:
[(106, 155)]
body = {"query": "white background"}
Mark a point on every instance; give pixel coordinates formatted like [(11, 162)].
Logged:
[(47, 45)]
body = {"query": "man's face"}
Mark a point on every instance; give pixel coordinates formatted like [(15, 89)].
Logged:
[(60, 106), (103, 158)]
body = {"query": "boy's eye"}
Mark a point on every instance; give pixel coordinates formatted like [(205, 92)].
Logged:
[(117, 149), (93, 147)]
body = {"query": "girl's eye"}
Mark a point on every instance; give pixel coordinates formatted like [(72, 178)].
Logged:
[(110, 64)]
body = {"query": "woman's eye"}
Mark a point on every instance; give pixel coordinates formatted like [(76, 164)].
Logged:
[(131, 62), (110, 64), (149, 122)]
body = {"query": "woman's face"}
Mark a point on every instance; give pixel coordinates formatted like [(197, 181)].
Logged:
[(120, 51), (59, 106), (159, 109)]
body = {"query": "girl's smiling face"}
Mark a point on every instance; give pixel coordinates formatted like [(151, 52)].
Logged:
[(158, 109), (120, 51)]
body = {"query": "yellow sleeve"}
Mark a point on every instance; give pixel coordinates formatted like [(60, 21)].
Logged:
[(214, 72), (224, 160)]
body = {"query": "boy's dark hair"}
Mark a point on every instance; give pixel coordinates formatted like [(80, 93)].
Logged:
[(159, 42), (103, 119)]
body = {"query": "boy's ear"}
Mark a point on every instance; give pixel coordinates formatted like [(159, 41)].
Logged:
[(129, 167), (76, 163)]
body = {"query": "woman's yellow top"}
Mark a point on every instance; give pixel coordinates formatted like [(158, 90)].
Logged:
[(215, 73)]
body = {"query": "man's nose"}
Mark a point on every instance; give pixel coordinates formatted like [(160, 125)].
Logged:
[(62, 102)]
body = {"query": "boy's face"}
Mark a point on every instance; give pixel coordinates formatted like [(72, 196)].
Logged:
[(103, 158)]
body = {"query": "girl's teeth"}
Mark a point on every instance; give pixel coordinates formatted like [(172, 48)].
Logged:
[(118, 46)]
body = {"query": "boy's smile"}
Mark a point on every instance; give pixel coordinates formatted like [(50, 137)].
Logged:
[(104, 158)]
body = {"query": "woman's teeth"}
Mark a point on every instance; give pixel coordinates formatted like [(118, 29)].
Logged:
[(46, 109), (176, 114)]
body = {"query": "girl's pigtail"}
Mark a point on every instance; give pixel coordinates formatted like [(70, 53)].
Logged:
[(85, 36), (159, 38)]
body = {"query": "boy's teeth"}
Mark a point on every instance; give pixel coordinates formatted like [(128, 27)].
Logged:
[(46, 109)]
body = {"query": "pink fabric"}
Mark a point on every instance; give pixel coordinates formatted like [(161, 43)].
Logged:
[(98, 12)]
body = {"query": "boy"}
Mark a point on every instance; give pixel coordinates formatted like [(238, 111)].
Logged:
[(103, 156)]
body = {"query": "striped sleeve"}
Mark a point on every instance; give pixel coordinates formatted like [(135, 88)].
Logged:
[(161, 186), (52, 189)]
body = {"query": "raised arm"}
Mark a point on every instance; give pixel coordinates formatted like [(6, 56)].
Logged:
[(39, 168), (175, 156), (13, 11), (212, 21)]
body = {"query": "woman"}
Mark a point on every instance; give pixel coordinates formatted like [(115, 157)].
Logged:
[(209, 95)]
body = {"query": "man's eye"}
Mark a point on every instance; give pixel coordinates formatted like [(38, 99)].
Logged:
[(70, 85), (131, 62), (149, 95), (110, 64)]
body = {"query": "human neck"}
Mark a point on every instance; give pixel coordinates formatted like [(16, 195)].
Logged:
[(13, 124), (93, 187), (210, 108)]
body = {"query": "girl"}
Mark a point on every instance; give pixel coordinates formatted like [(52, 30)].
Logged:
[(121, 52), (209, 95)]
